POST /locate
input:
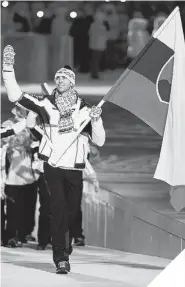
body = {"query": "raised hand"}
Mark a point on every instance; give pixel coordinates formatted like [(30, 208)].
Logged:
[(8, 58)]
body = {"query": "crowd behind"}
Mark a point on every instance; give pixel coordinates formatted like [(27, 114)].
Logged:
[(105, 35)]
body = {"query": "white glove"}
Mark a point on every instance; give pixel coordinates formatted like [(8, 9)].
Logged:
[(20, 126), (95, 113), (8, 58), (38, 165)]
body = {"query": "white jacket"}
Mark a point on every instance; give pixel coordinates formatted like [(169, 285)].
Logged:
[(53, 143)]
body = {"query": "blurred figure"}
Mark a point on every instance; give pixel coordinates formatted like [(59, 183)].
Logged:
[(20, 184), (86, 53), (138, 36), (113, 34), (42, 25), (60, 25), (2, 194), (21, 16), (80, 33), (158, 21), (60, 42), (7, 24), (76, 33), (97, 42), (35, 20), (7, 131), (123, 32)]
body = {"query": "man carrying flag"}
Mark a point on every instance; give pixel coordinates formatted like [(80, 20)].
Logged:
[(60, 114)]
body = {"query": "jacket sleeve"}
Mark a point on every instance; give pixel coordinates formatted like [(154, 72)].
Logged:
[(6, 133), (30, 102), (13, 90), (98, 132), (14, 129)]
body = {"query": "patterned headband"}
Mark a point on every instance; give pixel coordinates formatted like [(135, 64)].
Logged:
[(70, 75)]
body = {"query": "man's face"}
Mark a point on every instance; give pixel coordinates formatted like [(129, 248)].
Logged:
[(62, 84)]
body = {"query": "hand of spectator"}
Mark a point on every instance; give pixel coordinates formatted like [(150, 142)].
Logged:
[(8, 58), (95, 113), (38, 165), (20, 126)]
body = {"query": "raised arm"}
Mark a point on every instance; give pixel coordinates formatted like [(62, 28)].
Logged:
[(13, 90), (30, 102)]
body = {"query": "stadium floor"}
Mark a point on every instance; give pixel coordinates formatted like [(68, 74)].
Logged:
[(90, 266)]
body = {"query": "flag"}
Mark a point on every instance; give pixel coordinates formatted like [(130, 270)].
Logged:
[(144, 88), (153, 88), (171, 165)]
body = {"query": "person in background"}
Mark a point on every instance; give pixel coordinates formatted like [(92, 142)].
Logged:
[(60, 24), (8, 129), (3, 148), (158, 21), (138, 35), (42, 25), (113, 34), (76, 33), (21, 17), (79, 31), (20, 185), (97, 42), (61, 44)]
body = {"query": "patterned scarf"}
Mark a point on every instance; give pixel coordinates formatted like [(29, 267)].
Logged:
[(65, 104)]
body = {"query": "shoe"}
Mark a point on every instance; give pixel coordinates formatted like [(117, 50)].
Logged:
[(12, 243), (63, 267), (41, 247), (79, 241)]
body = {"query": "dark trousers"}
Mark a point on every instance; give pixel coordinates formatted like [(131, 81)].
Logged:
[(95, 62), (77, 230), (66, 188), (21, 202), (44, 212), (111, 55)]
